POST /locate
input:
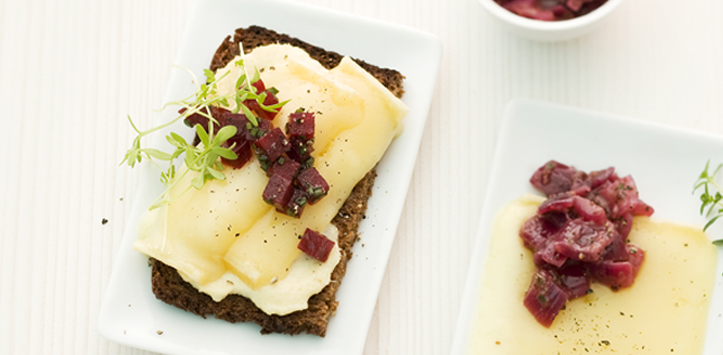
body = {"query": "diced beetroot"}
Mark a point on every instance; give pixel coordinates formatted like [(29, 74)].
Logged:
[(616, 275), (637, 256), (621, 197), (600, 176), (583, 240), (544, 299), (624, 224), (313, 184), (271, 146), (316, 245), (300, 126), (278, 192), (242, 148), (551, 10), (536, 231), (259, 86), (574, 5), (253, 133), (617, 250), (580, 231), (300, 151), (217, 113), (633, 204), (573, 277), (580, 183), (619, 274), (559, 11), (553, 178), (530, 9), (297, 203), (560, 202), (567, 202), (284, 166), (548, 255), (589, 211)]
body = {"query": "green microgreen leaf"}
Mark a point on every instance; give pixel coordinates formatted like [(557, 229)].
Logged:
[(216, 174), (711, 204), (202, 135), (225, 133), (205, 158), (210, 76), (250, 115)]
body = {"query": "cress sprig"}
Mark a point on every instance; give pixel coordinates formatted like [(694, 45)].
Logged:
[(203, 159), (711, 204)]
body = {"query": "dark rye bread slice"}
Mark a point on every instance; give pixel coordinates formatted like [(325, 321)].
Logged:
[(168, 285)]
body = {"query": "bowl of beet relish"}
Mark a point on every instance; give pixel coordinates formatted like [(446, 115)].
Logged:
[(550, 20)]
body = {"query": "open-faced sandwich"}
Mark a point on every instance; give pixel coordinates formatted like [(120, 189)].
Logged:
[(258, 223)]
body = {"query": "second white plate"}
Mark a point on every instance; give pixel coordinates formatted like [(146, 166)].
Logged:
[(664, 161)]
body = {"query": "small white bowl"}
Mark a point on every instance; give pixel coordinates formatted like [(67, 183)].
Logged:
[(550, 31)]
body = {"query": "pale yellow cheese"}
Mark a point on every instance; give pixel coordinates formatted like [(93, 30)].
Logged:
[(303, 80), (307, 277), (195, 230), (664, 312), (269, 247), (226, 234)]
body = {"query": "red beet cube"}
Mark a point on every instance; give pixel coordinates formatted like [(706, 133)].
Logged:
[(271, 146), (573, 278), (253, 133), (278, 192), (241, 147), (296, 204), (316, 245), (259, 85), (544, 298), (313, 184), (619, 274), (300, 151), (300, 126), (284, 166), (218, 113)]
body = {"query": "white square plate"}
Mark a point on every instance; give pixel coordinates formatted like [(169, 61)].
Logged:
[(664, 161), (131, 315)]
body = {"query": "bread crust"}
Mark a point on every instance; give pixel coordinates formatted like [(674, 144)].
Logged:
[(169, 287)]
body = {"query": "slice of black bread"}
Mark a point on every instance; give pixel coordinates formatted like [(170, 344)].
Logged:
[(168, 285)]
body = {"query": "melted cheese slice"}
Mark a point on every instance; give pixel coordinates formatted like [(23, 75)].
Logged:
[(269, 247), (664, 312), (225, 239)]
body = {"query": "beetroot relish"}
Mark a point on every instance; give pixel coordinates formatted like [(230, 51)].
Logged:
[(313, 184), (293, 181), (316, 245), (271, 146), (579, 235), (551, 10)]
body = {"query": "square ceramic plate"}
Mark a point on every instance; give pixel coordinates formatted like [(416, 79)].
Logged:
[(131, 315), (664, 161)]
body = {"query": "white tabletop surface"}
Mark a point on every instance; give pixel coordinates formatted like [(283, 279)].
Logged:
[(70, 72)]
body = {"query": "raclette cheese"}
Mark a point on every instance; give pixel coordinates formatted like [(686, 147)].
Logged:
[(665, 311), (226, 228)]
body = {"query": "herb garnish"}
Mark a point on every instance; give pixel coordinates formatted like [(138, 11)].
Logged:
[(710, 203), (204, 158)]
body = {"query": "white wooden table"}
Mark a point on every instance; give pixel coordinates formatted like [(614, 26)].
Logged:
[(71, 70)]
